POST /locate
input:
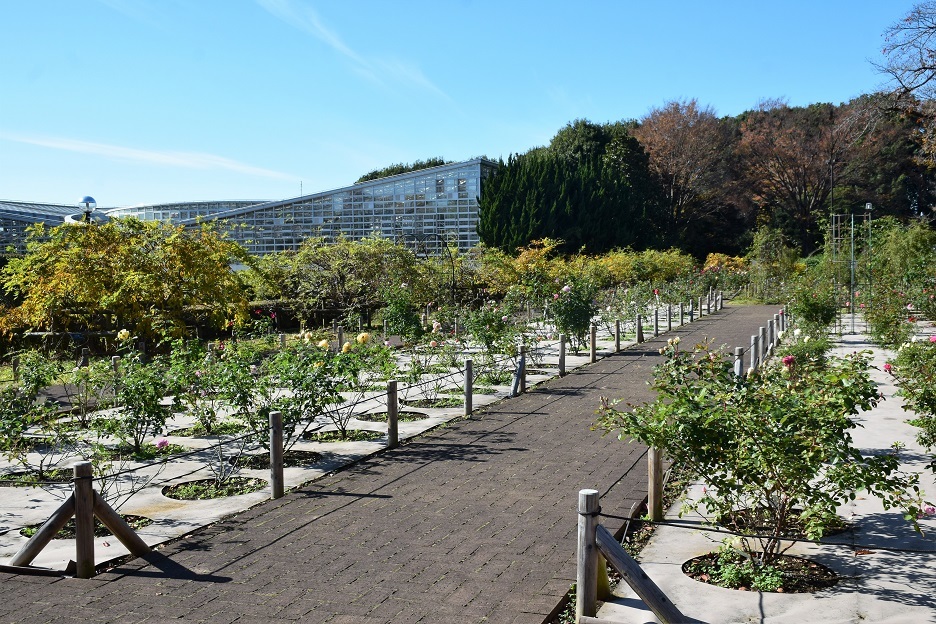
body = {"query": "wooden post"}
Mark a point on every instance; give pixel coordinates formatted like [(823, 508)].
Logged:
[(655, 484), (771, 336), (739, 362), (276, 453), (282, 341), (592, 343), (700, 307), (116, 525), (393, 414), (562, 355), (681, 313), (651, 595), (656, 321), (586, 575), (762, 338), (28, 551), (522, 373), (469, 382), (669, 317), (708, 304), (755, 352), (84, 360), (640, 336), (340, 338), (386, 325), (115, 363), (691, 312), (84, 520), (617, 335), (778, 328)]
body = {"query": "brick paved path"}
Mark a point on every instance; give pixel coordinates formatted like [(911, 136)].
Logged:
[(473, 522)]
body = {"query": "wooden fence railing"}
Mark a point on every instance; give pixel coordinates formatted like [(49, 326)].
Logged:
[(594, 539)]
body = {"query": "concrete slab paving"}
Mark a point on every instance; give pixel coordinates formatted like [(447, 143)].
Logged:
[(888, 571)]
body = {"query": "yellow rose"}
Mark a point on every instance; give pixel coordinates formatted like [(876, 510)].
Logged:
[(363, 338), (323, 343), (346, 347)]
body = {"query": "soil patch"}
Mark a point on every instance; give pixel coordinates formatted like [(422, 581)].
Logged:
[(787, 574), (291, 458), (758, 522)]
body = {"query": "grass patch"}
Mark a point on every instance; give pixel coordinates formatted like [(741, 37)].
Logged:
[(69, 531), (225, 427), (352, 435), (439, 402), (403, 416), (34, 477), (207, 489)]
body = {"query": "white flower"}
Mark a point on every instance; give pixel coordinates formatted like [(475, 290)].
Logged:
[(797, 332), (676, 340)]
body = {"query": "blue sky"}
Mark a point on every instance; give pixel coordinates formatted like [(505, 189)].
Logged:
[(146, 101)]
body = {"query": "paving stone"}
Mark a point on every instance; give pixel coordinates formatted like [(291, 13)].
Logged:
[(474, 522)]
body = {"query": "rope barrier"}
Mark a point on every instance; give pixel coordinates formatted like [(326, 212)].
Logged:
[(723, 530)]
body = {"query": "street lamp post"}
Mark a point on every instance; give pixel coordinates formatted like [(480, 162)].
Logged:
[(90, 206)]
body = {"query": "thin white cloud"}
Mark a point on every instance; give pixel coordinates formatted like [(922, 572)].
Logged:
[(305, 18), (185, 160), (380, 71)]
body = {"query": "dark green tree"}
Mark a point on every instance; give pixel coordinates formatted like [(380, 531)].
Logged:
[(590, 188)]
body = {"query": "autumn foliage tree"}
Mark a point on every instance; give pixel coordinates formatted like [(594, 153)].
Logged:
[(688, 148), (148, 277)]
